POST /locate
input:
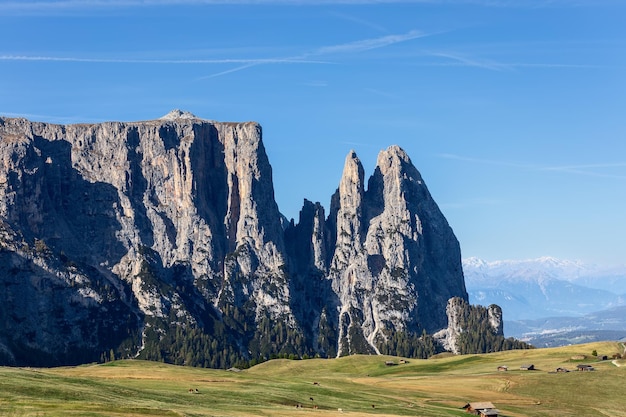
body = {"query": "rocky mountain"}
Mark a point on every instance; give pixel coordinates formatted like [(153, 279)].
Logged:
[(162, 240), (544, 269)]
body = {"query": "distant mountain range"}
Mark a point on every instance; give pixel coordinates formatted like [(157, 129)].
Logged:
[(550, 302)]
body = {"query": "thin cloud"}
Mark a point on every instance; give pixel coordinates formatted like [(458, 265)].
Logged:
[(305, 58), (462, 60), (248, 62), (585, 169), (590, 169), (256, 62), (74, 5), (607, 165), (359, 21), (581, 66), (368, 44), (486, 161), (471, 62), (343, 48), (229, 71)]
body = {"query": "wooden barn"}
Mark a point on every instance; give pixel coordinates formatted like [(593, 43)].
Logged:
[(483, 409)]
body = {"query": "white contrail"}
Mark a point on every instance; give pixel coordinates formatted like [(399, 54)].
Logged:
[(248, 61), (367, 44)]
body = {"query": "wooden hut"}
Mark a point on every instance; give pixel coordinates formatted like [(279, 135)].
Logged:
[(482, 409)]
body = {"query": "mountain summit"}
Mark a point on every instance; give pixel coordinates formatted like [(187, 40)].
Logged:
[(178, 114), (162, 240)]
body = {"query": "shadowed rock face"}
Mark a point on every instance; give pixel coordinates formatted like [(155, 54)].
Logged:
[(111, 233), (396, 261)]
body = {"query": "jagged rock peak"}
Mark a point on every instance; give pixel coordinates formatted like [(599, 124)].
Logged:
[(348, 197), (353, 169), (391, 154), (178, 114), (395, 160), (347, 201)]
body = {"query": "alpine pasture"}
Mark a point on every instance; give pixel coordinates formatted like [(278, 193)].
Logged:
[(352, 386)]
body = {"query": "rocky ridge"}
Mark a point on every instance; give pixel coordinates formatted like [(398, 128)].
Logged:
[(162, 240)]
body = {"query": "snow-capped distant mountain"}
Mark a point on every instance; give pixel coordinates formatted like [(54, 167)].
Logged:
[(492, 273), (544, 287)]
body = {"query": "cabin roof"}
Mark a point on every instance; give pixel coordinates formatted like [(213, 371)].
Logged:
[(482, 405)]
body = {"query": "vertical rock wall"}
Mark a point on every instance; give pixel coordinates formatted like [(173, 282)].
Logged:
[(172, 223)]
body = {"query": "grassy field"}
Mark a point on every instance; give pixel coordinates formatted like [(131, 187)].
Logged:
[(358, 385)]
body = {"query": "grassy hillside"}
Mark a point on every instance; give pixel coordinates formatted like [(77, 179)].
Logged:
[(359, 385)]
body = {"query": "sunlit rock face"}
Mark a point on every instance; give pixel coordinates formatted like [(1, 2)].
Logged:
[(486, 320), (396, 261), (114, 235)]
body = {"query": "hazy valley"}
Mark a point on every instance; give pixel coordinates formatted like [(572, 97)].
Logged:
[(551, 302)]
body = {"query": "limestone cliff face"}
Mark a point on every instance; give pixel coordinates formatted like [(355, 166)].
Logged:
[(396, 261), (473, 325), (137, 236), (448, 337), (174, 217)]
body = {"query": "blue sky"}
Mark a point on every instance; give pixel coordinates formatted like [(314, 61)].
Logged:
[(513, 111)]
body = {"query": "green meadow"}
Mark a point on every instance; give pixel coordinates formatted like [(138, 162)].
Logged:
[(354, 386)]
